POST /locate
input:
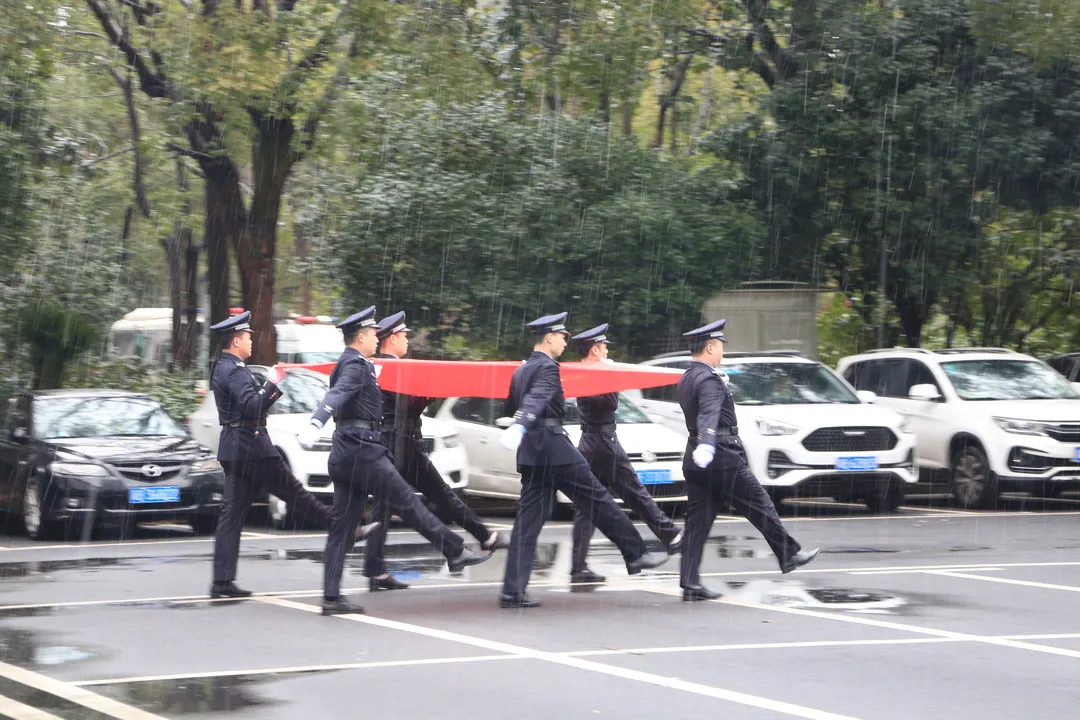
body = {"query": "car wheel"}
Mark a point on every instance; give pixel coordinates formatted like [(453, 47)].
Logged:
[(39, 526), (973, 482), (885, 498)]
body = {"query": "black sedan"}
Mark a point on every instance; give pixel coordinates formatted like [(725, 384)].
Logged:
[(73, 459)]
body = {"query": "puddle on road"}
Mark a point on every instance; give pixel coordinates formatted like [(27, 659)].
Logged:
[(191, 696), (31, 650), (795, 594), (13, 571)]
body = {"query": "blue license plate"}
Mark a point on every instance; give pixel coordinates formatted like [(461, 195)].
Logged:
[(1076, 454), (147, 495), (655, 477), (856, 463)]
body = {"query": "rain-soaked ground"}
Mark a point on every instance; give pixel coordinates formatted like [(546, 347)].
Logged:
[(929, 613)]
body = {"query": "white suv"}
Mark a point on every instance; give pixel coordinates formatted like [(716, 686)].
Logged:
[(806, 432), (301, 392), (986, 419)]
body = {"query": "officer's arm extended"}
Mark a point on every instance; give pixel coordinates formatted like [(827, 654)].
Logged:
[(544, 386), (348, 384), (251, 400)]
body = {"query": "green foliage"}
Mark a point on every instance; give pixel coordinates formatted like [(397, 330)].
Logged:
[(54, 335), (175, 391)]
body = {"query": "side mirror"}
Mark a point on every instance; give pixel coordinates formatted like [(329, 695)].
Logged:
[(867, 396), (925, 392), (20, 435), (504, 422)]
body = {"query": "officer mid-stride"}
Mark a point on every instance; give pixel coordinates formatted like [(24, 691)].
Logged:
[(715, 466), (245, 450), (600, 446), (548, 462), (402, 435), (359, 464)]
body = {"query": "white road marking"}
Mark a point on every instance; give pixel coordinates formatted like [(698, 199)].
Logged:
[(640, 582), (77, 695), (580, 664), (1006, 581), (901, 627), (17, 711), (909, 572)]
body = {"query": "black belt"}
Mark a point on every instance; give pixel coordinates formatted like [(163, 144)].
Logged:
[(548, 422), (255, 424), (598, 429), (365, 424), (721, 432)]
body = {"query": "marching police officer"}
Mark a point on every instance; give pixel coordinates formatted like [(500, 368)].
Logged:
[(359, 464), (245, 451), (548, 462), (401, 434), (600, 446), (715, 466)]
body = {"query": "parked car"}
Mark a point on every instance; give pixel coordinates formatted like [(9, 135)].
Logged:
[(301, 392), (806, 431), (1068, 365), (986, 419), (73, 459), (655, 451)]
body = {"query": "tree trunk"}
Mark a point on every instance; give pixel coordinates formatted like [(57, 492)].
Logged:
[(627, 119), (171, 244), (702, 121), (185, 351)]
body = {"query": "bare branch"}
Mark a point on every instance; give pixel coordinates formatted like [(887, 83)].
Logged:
[(187, 152), (141, 12), (141, 200), (341, 79), (110, 156), (154, 84)]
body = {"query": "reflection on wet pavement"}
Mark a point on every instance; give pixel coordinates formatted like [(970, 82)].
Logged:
[(26, 649), (793, 593), (190, 695)]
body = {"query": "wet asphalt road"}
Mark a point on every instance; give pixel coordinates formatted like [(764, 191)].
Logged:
[(933, 612)]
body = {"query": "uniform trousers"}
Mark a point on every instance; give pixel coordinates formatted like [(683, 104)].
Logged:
[(538, 487), (353, 482), (243, 480)]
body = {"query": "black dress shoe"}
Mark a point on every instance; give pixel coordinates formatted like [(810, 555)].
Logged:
[(675, 546), (798, 560), (696, 593), (586, 576), (390, 582), (340, 606), (645, 562), (467, 557), (501, 542), (228, 590), (517, 600)]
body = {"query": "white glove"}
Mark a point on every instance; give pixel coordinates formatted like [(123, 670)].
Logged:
[(276, 374), (703, 455), (309, 436), (511, 436)]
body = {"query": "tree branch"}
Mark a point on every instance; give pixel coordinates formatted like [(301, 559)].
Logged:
[(782, 60), (341, 79), (187, 152), (110, 156), (154, 84), (141, 200), (141, 12)]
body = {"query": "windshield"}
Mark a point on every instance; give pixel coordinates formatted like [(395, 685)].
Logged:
[(627, 413), (1006, 380), (786, 384), (79, 417)]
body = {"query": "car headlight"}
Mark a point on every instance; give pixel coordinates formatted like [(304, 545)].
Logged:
[(451, 441), (1020, 427), (773, 427), (78, 469), (210, 465)]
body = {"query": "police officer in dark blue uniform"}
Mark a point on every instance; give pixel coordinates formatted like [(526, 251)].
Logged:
[(715, 466), (600, 446), (402, 435), (549, 462), (245, 450), (359, 463)]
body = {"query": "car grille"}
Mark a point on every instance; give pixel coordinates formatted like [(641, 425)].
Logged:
[(660, 457), (428, 445), (318, 481), (667, 490), (1069, 433), (134, 471), (850, 439), (322, 446)]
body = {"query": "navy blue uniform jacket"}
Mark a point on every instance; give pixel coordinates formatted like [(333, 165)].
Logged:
[(353, 395), (707, 406), (243, 399), (536, 394)]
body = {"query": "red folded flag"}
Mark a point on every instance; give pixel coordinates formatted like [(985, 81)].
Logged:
[(466, 378)]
